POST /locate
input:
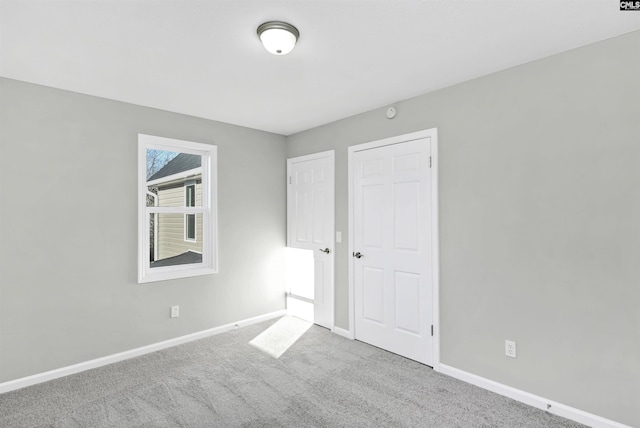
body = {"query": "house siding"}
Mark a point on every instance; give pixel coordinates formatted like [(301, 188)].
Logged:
[(171, 232)]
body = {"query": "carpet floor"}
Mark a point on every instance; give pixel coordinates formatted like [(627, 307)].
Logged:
[(322, 380)]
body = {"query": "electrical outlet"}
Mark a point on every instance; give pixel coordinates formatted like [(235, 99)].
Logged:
[(175, 311), (510, 348)]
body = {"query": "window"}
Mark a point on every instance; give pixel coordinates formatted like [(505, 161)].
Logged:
[(190, 227), (177, 216), (190, 219), (190, 194)]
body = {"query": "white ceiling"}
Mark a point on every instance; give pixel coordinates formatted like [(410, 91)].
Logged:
[(203, 58)]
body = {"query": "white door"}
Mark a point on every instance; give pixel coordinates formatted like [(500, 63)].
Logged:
[(392, 255), (310, 223)]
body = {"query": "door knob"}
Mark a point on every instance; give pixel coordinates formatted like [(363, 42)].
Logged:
[(326, 250), (357, 255)]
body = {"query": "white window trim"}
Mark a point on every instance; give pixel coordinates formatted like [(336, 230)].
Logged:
[(208, 210)]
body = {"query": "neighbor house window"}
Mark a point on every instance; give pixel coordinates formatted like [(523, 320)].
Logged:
[(190, 227), (177, 208), (190, 219)]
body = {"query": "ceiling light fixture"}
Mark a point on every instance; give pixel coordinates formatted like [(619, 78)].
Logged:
[(279, 38)]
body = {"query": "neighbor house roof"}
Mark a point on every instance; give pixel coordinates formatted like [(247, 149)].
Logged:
[(182, 162)]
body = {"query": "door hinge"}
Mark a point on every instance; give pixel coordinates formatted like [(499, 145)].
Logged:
[(289, 180), (429, 161), (431, 329)]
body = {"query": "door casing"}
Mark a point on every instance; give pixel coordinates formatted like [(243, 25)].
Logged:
[(433, 135)]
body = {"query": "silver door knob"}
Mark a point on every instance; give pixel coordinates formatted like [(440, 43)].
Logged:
[(326, 250), (357, 255)]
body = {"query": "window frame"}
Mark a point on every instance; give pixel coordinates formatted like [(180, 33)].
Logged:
[(208, 209)]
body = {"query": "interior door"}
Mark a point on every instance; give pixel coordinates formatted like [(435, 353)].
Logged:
[(392, 242), (310, 220)]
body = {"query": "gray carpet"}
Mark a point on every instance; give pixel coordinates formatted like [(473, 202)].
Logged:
[(323, 380)]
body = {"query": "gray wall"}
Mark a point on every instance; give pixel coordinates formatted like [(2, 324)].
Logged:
[(539, 207), (68, 211), (539, 221)]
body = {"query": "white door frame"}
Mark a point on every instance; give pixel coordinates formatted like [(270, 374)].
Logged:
[(330, 154), (432, 134)]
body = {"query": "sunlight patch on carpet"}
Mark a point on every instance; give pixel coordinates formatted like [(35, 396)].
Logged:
[(281, 335)]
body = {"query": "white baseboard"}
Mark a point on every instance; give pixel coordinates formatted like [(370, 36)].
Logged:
[(550, 406), (342, 332), (110, 359)]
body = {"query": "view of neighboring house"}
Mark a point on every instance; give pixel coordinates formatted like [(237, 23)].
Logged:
[(176, 238)]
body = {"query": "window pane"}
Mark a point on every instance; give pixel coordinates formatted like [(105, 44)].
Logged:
[(174, 179), (169, 244), (190, 196), (157, 159), (190, 227)]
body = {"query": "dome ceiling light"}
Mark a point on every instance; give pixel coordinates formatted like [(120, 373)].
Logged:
[(279, 38)]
